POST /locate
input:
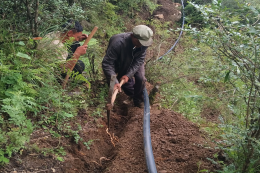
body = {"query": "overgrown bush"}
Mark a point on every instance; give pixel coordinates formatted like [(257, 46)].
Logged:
[(235, 42), (29, 88), (33, 17), (129, 6), (193, 16)]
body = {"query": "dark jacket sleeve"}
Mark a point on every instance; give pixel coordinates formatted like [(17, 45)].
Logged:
[(138, 61), (72, 48), (108, 63)]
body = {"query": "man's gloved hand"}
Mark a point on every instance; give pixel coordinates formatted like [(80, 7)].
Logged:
[(125, 78), (117, 86)]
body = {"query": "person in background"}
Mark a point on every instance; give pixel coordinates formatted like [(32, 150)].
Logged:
[(56, 41), (125, 57)]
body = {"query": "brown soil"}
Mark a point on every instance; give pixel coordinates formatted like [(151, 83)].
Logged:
[(171, 11), (177, 145), (210, 114)]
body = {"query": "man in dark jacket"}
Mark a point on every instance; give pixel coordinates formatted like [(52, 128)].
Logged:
[(125, 57)]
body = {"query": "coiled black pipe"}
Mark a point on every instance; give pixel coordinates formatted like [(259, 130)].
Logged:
[(148, 150)]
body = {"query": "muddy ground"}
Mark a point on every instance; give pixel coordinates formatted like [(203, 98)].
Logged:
[(178, 145)]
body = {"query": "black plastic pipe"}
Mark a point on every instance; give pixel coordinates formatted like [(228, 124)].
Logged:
[(148, 150), (182, 27)]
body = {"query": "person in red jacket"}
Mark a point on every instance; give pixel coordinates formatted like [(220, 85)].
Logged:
[(125, 57)]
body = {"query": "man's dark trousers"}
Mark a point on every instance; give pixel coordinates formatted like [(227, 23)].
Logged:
[(134, 87)]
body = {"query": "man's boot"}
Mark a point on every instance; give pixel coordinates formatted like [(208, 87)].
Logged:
[(138, 103)]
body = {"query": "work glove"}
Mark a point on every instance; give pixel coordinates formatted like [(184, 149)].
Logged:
[(117, 86), (125, 78)]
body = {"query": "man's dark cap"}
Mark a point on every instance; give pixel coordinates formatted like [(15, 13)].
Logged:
[(72, 24)]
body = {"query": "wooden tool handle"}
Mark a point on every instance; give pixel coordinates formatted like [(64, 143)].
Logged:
[(37, 38), (74, 60), (115, 92), (90, 35)]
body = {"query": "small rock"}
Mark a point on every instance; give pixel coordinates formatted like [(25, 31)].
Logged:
[(177, 4), (160, 16), (163, 171), (169, 150), (173, 140), (163, 140), (180, 159), (169, 131)]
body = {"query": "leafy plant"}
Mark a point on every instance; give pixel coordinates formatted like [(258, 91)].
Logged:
[(87, 144), (235, 43)]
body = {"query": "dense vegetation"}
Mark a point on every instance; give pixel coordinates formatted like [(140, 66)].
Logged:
[(215, 68), (31, 96), (233, 36)]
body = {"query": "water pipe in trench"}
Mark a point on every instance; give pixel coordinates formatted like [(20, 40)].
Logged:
[(148, 150)]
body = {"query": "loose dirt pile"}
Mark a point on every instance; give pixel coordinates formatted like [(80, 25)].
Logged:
[(177, 145)]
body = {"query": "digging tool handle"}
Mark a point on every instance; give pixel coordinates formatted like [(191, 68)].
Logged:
[(90, 35), (115, 92), (75, 60)]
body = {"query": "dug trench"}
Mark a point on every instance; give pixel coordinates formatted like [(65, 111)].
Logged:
[(178, 145)]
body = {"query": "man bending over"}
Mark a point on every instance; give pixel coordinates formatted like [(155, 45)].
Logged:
[(125, 56)]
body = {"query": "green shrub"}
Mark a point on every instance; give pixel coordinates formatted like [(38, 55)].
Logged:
[(234, 44), (193, 16)]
